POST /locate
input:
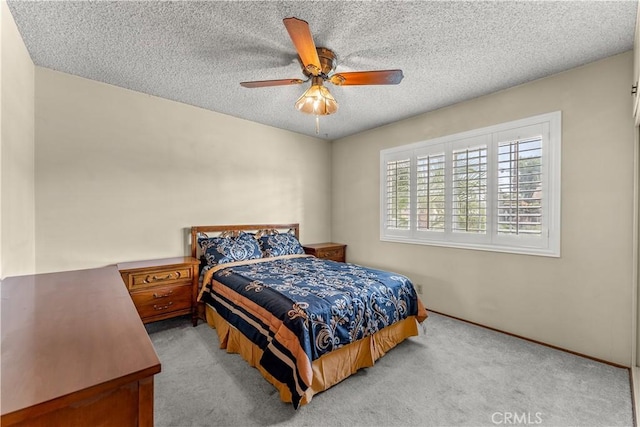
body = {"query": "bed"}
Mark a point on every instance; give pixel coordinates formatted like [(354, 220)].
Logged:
[(305, 323)]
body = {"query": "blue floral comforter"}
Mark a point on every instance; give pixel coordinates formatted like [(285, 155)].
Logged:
[(320, 305)]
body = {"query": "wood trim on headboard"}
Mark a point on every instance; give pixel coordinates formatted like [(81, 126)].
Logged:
[(246, 227)]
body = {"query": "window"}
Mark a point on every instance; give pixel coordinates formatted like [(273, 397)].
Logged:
[(496, 188)]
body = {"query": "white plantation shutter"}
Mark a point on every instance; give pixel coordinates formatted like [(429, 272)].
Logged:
[(430, 189), (469, 176), (496, 188), (398, 196), (519, 190)]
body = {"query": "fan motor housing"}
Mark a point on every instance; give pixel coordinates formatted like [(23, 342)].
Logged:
[(328, 62)]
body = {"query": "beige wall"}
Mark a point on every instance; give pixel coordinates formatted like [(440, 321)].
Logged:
[(581, 301), (120, 175), (17, 194)]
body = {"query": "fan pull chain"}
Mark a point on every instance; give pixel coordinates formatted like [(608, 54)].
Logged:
[(317, 125)]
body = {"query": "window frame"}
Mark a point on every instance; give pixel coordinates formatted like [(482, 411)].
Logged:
[(545, 244)]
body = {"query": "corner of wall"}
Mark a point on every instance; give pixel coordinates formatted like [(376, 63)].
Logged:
[(2, 12), (17, 150)]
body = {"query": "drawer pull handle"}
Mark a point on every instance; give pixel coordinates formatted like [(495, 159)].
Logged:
[(155, 278), (162, 307), (163, 296)]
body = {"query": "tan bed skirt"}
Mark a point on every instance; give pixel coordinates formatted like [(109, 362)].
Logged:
[(329, 369)]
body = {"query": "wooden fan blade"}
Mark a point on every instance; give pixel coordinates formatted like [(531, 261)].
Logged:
[(382, 77), (303, 41), (266, 83)]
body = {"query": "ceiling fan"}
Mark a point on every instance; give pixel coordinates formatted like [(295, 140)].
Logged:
[(317, 66)]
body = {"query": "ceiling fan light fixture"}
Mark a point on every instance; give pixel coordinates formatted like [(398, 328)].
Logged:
[(318, 64), (317, 100)]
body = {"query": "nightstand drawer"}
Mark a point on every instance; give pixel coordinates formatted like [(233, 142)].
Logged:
[(160, 300), (162, 288), (158, 277), (331, 251), (332, 254)]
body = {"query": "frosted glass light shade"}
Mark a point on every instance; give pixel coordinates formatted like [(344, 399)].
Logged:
[(317, 100)]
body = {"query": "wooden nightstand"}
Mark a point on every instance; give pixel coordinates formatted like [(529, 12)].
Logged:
[(162, 288), (332, 251)]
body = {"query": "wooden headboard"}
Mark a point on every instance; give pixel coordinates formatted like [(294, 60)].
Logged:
[(212, 230)]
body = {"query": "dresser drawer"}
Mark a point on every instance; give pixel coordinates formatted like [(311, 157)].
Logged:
[(160, 300), (160, 277)]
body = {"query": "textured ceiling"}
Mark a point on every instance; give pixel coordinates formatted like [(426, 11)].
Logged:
[(199, 52)]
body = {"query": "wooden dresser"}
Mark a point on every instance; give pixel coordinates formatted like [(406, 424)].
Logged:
[(74, 352), (332, 251), (162, 288)]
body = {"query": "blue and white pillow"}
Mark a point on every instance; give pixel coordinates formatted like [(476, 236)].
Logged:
[(280, 244), (221, 250)]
